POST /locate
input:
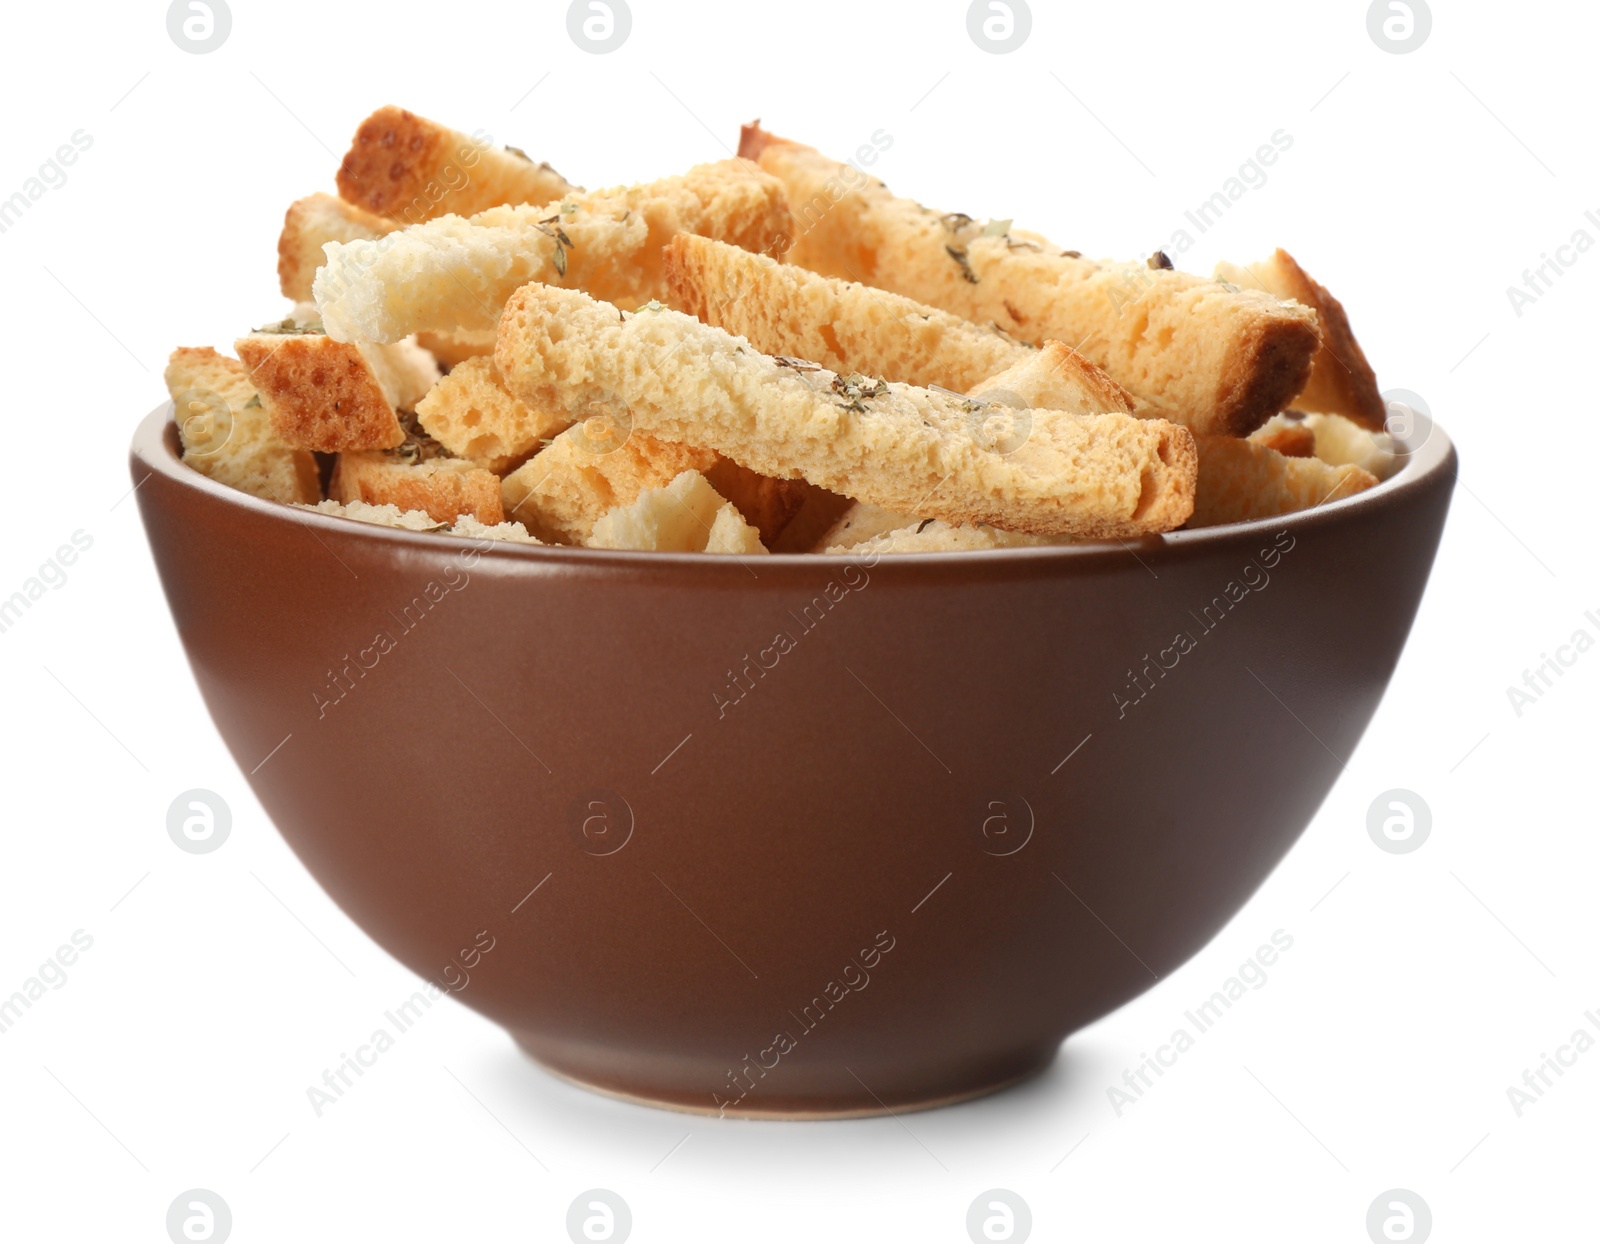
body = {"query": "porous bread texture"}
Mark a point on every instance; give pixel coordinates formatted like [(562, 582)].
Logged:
[(1240, 480), (444, 488), (420, 520), (935, 536), (321, 394), (332, 396), (1054, 377), (845, 326), (1287, 434), (1189, 349), (455, 273), (591, 468), (227, 434), (379, 515), (1341, 382), (686, 516), (514, 533), (916, 450), (470, 413), (409, 168), (309, 225)]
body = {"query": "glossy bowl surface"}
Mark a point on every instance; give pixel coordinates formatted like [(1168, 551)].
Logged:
[(794, 836)]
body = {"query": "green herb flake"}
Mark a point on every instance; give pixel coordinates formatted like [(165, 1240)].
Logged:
[(419, 446), (997, 229), (559, 258)]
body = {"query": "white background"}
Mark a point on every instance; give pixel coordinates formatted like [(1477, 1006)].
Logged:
[(1419, 987)]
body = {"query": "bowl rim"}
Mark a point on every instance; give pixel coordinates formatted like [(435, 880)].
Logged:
[(1425, 455)]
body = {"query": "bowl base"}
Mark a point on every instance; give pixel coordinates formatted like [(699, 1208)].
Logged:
[(856, 1102)]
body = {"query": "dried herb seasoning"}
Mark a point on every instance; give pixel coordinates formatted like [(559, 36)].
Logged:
[(288, 328), (418, 446), (960, 256)]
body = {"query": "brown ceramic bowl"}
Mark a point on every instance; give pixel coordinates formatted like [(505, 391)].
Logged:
[(791, 836)]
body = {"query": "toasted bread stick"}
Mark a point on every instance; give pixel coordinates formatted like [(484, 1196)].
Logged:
[(1341, 380), (455, 274), (786, 309), (1188, 348), (916, 450), (1241, 480), (1054, 377), (411, 169)]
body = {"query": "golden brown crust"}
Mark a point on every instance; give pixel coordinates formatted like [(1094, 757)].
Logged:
[(1270, 365), (226, 433), (1241, 480), (409, 168), (444, 488), (1341, 381), (1210, 356), (320, 393), (753, 140)]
